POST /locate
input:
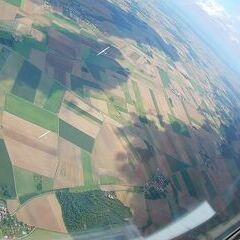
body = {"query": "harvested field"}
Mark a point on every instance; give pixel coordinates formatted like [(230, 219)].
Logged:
[(193, 113), (28, 141), (43, 212), (179, 145), (38, 59), (24, 145), (70, 171), (186, 201), (163, 165), (100, 104), (109, 149), (24, 156), (84, 114), (83, 106), (32, 6), (136, 202), (61, 66), (8, 12), (160, 212), (164, 142), (12, 205), (115, 91), (134, 56), (31, 132), (79, 122), (61, 44)]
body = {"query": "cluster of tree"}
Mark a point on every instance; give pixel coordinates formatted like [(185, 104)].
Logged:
[(156, 188), (4, 191), (6, 39), (92, 209)]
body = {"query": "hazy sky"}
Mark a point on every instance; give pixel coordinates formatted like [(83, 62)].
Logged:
[(217, 23), (225, 13), (230, 5)]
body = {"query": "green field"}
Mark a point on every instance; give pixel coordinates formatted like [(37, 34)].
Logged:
[(197, 87), (186, 111), (127, 95), (176, 182), (40, 234), (98, 94), (27, 82), (62, 20), (178, 126), (71, 106), (190, 154), (97, 71), (4, 53), (165, 78), (209, 185), (84, 188), (176, 165), (139, 102), (78, 86), (17, 3), (75, 136), (189, 183), (30, 184), (108, 180), (7, 186), (115, 114), (55, 98), (119, 103), (24, 47), (87, 168), (43, 90), (31, 113), (90, 210), (9, 71), (160, 117), (100, 62)]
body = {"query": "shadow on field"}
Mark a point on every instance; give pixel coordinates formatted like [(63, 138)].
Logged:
[(68, 57), (78, 58), (182, 171), (111, 19)]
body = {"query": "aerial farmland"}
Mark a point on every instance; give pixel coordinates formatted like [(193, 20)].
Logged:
[(91, 140)]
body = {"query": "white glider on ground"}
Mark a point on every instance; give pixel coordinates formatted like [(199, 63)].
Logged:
[(103, 51), (43, 134)]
